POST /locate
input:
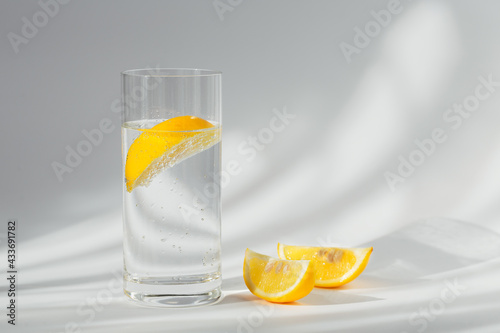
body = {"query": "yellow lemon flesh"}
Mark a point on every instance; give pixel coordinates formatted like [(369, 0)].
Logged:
[(277, 280), (165, 145), (333, 266)]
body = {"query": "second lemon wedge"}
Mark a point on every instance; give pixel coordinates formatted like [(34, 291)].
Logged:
[(333, 266)]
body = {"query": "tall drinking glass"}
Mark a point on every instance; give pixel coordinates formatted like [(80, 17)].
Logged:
[(171, 132)]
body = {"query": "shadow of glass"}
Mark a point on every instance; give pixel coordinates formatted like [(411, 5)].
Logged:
[(233, 284), (238, 298)]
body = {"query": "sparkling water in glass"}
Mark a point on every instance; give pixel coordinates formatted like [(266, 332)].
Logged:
[(171, 211)]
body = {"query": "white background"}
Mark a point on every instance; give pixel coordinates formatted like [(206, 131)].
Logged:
[(321, 180)]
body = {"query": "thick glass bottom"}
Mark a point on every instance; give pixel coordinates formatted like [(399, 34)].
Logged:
[(174, 292)]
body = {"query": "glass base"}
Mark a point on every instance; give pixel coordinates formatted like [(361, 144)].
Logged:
[(171, 293)]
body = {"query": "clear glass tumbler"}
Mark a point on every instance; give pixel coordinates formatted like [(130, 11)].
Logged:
[(171, 133)]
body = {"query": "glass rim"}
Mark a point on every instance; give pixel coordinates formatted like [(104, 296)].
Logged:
[(170, 72), (216, 127)]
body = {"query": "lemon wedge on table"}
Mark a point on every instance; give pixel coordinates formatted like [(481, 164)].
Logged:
[(333, 266), (165, 145), (277, 280)]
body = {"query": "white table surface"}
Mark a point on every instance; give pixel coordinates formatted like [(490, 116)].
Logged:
[(435, 275)]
